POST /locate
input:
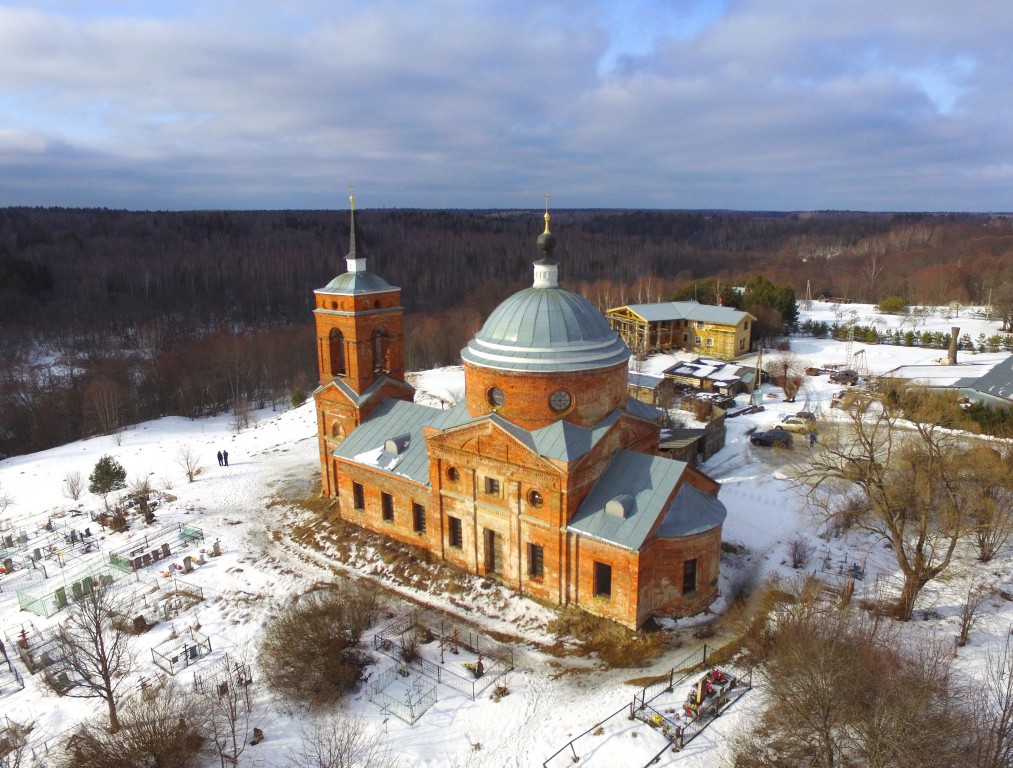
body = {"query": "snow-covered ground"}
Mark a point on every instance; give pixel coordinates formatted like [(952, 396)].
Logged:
[(551, 700)]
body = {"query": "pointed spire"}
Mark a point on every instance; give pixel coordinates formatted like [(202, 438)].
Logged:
[(547, 268), (351, 202), (355, 264)]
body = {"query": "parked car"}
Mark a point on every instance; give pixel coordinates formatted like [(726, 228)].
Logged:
[(795, 424), (845, 376), (777, 438), (807, 415)]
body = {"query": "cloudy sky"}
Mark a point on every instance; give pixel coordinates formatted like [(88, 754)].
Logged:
[(743, 104)]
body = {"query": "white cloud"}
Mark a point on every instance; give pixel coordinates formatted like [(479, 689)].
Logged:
[(751, 104)]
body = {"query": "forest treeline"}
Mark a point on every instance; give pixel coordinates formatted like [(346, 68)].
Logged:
[(192, 312)]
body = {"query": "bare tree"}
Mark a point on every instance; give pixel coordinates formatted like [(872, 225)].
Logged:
[(6, 500), (15, 749), (800, 549), (241, 414), (343, 742), (104, 403), (977, 594), (140, 492), (900, 471), (992, 521), (992, 712), (786, 372), (311, 651), (228, 707), (871, 270), (163, 727), (845, 691), (96, 654), (73, 485), (188, 459)]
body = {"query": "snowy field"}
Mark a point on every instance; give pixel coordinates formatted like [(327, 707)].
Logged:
[(551, 700)]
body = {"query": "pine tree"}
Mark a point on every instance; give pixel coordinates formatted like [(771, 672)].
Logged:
[(108, 476)]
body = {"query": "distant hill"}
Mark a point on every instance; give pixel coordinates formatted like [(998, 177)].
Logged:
[(188, 312)]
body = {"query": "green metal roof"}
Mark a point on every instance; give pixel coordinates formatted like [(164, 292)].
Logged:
[(394, 420), (688, 310), (691, 512), (546, 329), (648, 480), (353, 283)]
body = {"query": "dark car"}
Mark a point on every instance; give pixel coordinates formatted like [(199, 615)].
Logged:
[(844, 376), (778, 438)]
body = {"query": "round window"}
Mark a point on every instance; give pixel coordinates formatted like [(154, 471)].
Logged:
[(560, 400), (496, 397), (453, 474), (535, 498)]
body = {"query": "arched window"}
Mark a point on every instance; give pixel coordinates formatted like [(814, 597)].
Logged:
[(380, 363), (337, 345)]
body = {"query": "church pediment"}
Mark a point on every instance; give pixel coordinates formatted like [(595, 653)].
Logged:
[(488, 439), (627, 432)]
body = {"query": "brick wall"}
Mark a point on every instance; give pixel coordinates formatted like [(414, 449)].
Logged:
[(621, 604), (661, 575), (358, 317), (594, 394)]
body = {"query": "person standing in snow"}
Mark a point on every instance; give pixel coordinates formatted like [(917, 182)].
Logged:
[(812, 438), (225, 456), (220, 462)]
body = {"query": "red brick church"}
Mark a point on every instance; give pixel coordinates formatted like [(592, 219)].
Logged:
[(545, 477)]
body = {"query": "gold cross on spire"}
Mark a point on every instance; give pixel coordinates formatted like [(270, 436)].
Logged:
[(546, 213), (351, 195)]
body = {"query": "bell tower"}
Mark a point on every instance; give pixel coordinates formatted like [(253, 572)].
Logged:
[(360, 352)]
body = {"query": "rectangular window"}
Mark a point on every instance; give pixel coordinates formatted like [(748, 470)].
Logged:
[(689, 577), (493, 552), (698, 340), (454, 531), (388, 507), (418, 518), (492, 486), (536, 561), (358, 497), (602, 580), (710, 342)]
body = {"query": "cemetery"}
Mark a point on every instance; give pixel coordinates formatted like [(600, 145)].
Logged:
[(676, 708), (406, 695), (431, 654), (217, 676), (155, 547), (178, 653), (49, 597)]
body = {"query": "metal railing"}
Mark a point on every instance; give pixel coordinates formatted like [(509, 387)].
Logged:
[(420, 695)]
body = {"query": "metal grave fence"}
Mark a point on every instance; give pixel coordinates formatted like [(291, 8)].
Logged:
[(407, 697)]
